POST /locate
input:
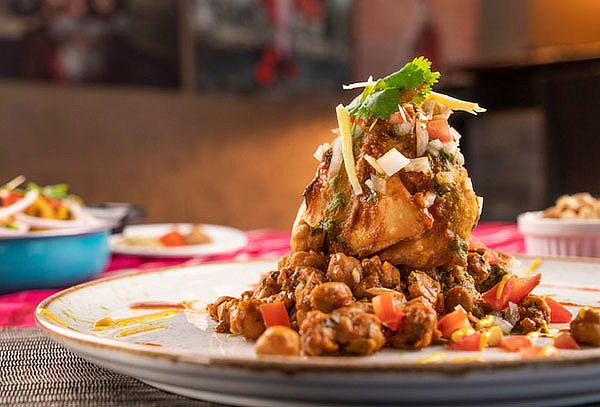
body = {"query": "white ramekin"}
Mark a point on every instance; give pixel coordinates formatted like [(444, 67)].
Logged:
[(560, 237)]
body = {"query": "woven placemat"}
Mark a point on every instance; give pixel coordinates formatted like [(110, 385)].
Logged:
[(35, 371)]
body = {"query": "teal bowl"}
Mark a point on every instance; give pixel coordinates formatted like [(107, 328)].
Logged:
[(52, 259)]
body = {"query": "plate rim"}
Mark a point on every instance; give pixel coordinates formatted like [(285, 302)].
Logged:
[(286, 364), (149, 251)]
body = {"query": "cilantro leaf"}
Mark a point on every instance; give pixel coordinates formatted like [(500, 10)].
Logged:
[(382, 103), (381, 99), (58, 191), (412, 75)]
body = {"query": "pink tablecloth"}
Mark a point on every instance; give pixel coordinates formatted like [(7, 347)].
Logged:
[(17, 309)]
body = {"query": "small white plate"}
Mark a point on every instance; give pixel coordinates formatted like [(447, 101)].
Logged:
[(225, 239), (194, 361)]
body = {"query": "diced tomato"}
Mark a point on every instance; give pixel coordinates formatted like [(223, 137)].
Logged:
[(396, 118), (476, 244), (438, 129), (359, 121), (499, 295), (173, 238), (386, 310), (274, 314), (453, 321), (523, 286), (565, 341), (534, 352), (473, 342), (515, 343), (558, 313), (510, 289), (11, 198)]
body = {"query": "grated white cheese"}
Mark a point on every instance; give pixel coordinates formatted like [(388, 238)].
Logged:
[(456, 104), (347, 151)]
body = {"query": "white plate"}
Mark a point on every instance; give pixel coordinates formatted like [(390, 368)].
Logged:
[(194, 361), (225, 239)]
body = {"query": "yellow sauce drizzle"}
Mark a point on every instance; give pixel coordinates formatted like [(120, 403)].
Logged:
[(433, 358), (106, 323), (533, 266), (52, 317), (68, 314), (502, 284), (141, 329)]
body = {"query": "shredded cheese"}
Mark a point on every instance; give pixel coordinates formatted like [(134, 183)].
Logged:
[(456, 104), (346, 132)]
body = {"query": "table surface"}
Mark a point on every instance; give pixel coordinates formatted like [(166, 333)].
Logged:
[(35, 371)]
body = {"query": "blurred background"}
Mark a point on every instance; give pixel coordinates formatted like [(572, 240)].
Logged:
[(210, 110)]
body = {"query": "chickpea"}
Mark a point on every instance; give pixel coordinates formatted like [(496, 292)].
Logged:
[(278, 340), (327, 297)]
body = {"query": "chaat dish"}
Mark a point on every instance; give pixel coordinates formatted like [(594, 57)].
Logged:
[(31, 207), (382, 248)]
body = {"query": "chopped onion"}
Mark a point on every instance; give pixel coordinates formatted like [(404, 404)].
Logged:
[(420, 164), (429, 199), (501, 323), (20, 205), (511, 315), (376, 184), (79, 214), (422, 137), (392, 162), (336, 158), (379, 184), (373, 162), (45, 223), (459, 159), (403, 128), (434, 147), (450, 147), (402, 113), (321, 150), (454, 134), (480, 204), (468, 184)]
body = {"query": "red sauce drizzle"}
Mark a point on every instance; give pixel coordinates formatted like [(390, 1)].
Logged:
[(573, 304), (147, 343), (593, 290), (155, 305)]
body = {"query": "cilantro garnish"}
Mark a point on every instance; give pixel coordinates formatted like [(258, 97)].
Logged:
[(380, 99), (58, 191)]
